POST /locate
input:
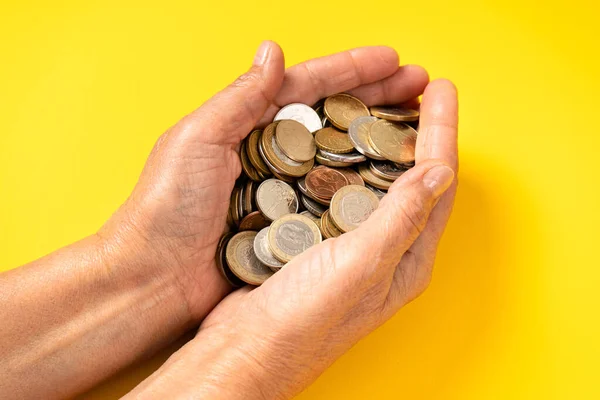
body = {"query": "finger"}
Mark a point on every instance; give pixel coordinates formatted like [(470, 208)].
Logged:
[(400, 218), (232, 113), (438, 125), (321, 77), (438, 137), (408, 82)]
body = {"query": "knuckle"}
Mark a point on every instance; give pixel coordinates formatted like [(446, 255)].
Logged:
[(246, 80)]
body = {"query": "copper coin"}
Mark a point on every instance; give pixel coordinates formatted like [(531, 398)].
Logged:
[(359, 136), (341, 109), (292, 234), (386, 170), (312, 206), (254, 155), (276, 198), (394, 141), (301, 113), (248, 169), (328, 163), (395, 113), (351, 206), (279, 160), (334, 141), (295, 141), (352, 176), (242, 260), (324, 182), (222, 262), (254, 221), (301, 183), (371, 179), (353, 157)]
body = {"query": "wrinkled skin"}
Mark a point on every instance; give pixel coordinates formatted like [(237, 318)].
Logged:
[(274, 340)]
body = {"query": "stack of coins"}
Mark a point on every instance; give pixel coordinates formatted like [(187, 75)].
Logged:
[(313, 173)]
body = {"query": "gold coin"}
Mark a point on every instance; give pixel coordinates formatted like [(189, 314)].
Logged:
[(277, 173), (332, 140), (329, 229), (222, 262), (248, 169), (279, 160), (233, 206), (276, 198), (292, 234), (341, 109), (371, 179), (295, 141), (395, 113), (253, 154), (351, 206), (249, 192), (394, 141), (243, 261)]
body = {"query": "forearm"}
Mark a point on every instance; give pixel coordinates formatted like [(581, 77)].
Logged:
[(80, 314)]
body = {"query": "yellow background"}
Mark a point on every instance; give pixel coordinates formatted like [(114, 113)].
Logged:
[(87, 87)]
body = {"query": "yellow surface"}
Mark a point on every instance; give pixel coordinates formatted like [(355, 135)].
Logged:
[(86, 88)]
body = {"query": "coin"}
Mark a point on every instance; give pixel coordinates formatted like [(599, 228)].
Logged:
[(353, 157), (327, 162), (371, 179), (301, 183), (249, 192), (328, 228), (301, 113), (222, 262), (359, 136), (352, 176), (341, 109), (242, 260), (240, 202), (312, 206), (292, 234), (276, 198), (334, 141), (324, 182), (233, 206), (351, 206), (253, 153), (386, 170), (278, 174), (279, 160), (315, 218), (254, 221), (295, 141), (395, 113), (378, 192), (394, 141), (248, 169), (262, 251)]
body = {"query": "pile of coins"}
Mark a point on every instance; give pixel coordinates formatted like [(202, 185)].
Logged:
[(313, 173)]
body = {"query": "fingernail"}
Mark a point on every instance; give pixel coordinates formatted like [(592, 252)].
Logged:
[(438, 179), (262, 53)]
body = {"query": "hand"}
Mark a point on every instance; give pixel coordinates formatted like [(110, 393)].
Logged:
[(173, 220), (274, 340)]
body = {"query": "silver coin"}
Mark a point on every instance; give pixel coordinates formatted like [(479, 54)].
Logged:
[(263, 253), (378, 192), (276, 198), (312, 216), (301, 113), (386, 170), (354, 157), (358, 131), (312, 206)]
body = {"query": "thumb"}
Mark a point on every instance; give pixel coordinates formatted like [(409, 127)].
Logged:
[(401, 216), (230, 115)]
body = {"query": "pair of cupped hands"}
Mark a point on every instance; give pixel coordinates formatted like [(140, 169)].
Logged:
[(274, 340)]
